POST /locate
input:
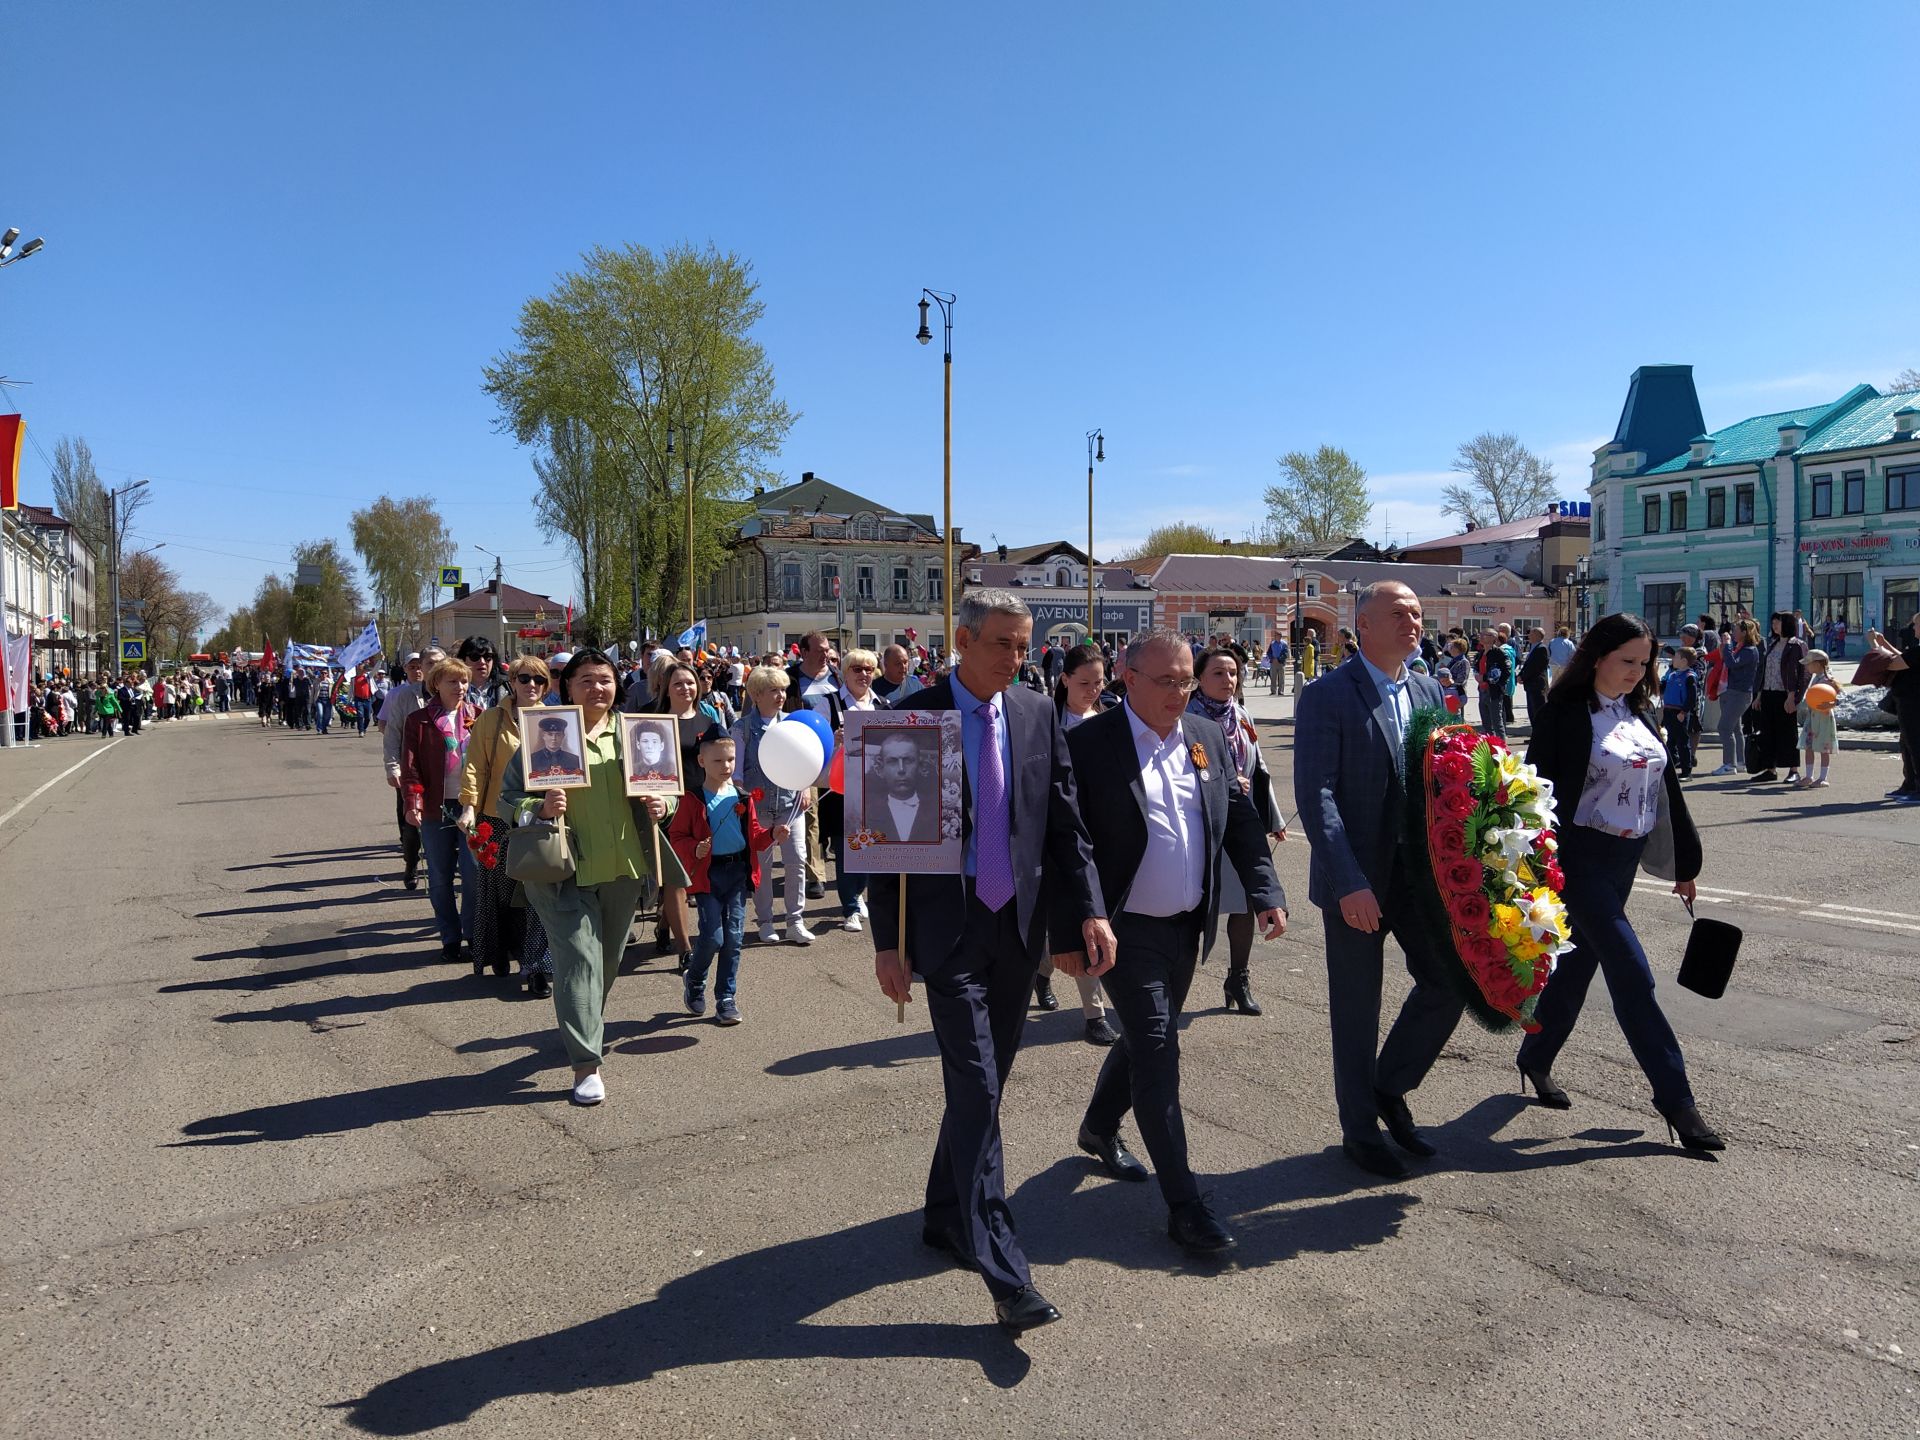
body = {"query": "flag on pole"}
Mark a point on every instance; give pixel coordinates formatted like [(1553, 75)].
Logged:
[(569, 617), (363, 647), (308, 656), (16, 668), (13, 431), (694, 636)]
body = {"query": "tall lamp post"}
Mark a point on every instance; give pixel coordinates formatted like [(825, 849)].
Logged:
[(113, 558), (1299, 618), (7, 257), (1096, 450), (925, 337)]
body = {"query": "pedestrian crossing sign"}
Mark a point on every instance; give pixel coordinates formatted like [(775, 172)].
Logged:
[(449, 576), (133, 652)]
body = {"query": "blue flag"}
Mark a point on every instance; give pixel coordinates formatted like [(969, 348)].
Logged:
[(363, 647), (693, 637)]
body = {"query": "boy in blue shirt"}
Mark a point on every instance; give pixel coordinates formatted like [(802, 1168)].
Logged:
[(1680, 709)]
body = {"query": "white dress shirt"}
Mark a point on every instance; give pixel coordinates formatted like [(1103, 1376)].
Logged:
[(904, 813), (1171, 878)]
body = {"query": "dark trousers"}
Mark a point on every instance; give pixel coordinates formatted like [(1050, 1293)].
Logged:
[(1910, 743), (1493, 713), (1600, 870), (1779, 735), (977, 1002), (1147, 987), (409, 835), (1427, 1017), (1536, 701), (1679, 725)]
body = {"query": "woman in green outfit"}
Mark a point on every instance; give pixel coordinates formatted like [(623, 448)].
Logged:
[(612, 839)]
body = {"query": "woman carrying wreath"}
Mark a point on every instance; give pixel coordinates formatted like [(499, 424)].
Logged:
[(500, 930), (1599, 742)]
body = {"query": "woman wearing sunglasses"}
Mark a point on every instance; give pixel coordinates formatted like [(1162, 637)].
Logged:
[(501, 931)]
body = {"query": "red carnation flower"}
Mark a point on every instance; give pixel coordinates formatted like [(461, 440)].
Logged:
[(1471, 912), (1454, 803), (740, 809), (756, 794), (1462, 877), (483, 830), (1556, 877), (1449, 838)]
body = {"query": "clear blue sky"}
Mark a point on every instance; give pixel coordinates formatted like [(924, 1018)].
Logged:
[(282, 240)]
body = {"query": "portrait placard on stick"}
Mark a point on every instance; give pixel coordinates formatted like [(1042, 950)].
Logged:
[(556, 741), (903, 773), (651, 747)]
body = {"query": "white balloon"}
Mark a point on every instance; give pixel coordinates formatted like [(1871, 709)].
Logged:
[(791, 756)]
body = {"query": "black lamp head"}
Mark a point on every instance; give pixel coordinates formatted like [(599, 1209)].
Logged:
[(925, 337)]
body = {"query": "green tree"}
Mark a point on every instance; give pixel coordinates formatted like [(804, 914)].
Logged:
[(1320, 497), (653, 356), (582, 486), (402, 543), (239, 631), (1504, 481), (273, 613), (327, 613), (1182, 538)]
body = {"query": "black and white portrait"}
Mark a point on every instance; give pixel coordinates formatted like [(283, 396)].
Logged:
[(555, 740), (903, 771), (651, 744)]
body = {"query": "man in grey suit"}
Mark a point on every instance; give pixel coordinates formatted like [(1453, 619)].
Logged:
[(1349, 783)]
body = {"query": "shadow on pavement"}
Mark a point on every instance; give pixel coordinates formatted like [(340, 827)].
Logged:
[(380, 877), (274, 956), (283, 907), (321, 857), (1062, 1026)]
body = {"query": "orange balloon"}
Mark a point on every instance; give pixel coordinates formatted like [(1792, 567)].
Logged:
[(1822, 696)]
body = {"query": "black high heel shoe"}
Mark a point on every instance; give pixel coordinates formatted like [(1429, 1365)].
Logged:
[(1693, 1132), (1240, 994), (1550, 1094)]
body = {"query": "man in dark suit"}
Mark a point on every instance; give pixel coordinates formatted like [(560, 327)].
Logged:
[(1349, 737), (976, 938), (1158, 840)]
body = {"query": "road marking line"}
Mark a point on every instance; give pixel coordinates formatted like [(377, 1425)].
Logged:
[(1856, 910), (56, 780), (1857, 920)]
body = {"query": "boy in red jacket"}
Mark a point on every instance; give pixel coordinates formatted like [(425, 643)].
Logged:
[(718, 836)]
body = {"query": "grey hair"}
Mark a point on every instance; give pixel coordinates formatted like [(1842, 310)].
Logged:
[(1162, 635), (1378, 590), (976, 605)]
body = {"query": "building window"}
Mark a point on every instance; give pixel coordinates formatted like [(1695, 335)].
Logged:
[(1903, 493), (790, 581), (1902, 598), (1853, 492), (902, 583), (1726, 599), (829, 579), (1600, 520), (1822, 496), (1743, 504), (936, 586), (1663, 607), (1716, 509), (1676, 513), (1650, 515), (1836, 597), (863, 583)]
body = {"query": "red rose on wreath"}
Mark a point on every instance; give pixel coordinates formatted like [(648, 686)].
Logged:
[(1472, 913), (1487, 952), (1454, 803), (1452, 768), (1449, 838), (1462, 877)]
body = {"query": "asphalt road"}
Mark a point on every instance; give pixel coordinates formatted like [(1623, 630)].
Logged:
[(273, 1170)]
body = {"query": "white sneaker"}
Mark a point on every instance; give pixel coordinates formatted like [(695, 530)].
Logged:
[(861, 901), (1724, 770), (589, 1090), (798, 934), (769, 935), (853, 924)]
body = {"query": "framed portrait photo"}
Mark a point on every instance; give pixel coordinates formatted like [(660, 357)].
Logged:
[(903, 773), (555, 740), (650, 745)]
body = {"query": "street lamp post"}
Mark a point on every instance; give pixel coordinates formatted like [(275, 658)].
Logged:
[(113, 558), (1299, 618), (925, 336), (7, 257), (1096, 450), (499, 598)]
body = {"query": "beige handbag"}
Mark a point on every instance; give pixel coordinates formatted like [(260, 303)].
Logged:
[(538, 852)]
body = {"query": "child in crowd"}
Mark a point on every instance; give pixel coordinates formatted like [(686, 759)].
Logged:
[(718, 836), (1680, 709), (1818, 733), (766, 687)]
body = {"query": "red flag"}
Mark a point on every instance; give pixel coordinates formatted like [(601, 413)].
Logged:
[(13, 431), (569, 617)]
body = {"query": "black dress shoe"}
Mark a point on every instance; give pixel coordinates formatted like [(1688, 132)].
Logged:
[(1025, 1309), (451, 953), (1393, 1110), (1240, 994), (1113, 1155), (815, 890), (1551, 1095), (1694, 1132), (1374, 1158), (1195, 1227), (948, 1242), (1043, 995), (1099, 1032), (539, 985), (410, 880)]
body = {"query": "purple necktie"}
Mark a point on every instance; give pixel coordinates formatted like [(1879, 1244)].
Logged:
[(993, 854)]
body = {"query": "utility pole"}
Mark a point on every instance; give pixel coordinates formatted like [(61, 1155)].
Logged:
[(113, 559)]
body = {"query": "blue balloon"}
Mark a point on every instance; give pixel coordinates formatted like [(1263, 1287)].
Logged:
[(817, 723)]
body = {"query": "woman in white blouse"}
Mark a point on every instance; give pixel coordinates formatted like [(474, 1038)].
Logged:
[(1599, 742)]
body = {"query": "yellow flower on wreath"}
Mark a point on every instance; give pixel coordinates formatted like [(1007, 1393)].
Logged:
[(1508, 923)]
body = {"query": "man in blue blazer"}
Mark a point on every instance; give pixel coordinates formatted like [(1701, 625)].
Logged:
[(976, 938), (1167, 809), (1349, 734)]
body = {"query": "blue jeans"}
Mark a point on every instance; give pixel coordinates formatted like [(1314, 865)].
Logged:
[(322, 715), (723, 926), (363, 711), (1600, 870), (446, 851)]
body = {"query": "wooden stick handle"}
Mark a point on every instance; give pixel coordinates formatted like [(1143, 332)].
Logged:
[(906, 965)]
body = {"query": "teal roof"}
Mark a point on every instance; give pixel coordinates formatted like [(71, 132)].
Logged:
[(1868, 423), (1758, 438)]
